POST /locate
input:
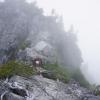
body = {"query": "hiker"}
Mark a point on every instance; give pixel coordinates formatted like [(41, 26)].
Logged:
[(38, 64)]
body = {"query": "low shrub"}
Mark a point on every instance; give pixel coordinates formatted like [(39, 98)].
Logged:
[(96, 90), (16, 68), (58, 72), (79, 77), (65, 75)]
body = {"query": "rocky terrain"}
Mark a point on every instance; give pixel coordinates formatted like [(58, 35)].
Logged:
[(40, 88), (25, 34)]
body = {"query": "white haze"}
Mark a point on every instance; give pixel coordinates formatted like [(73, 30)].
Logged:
[(85, 17)]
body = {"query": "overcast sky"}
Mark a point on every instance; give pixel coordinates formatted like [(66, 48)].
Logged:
[(85, 16)]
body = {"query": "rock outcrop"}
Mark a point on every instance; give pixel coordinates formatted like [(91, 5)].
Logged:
[(40, 88)]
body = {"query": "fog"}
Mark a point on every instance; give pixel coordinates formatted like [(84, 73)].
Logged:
[(85, 17)]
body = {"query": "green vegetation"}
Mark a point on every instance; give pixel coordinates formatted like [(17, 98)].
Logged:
[(96, 89), (58, 72), (15, 68), (65, 74), (54, 71), (79, 77)]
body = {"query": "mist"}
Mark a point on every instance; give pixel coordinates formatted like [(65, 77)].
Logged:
[(49, 49), (71, 28), (85, 17)]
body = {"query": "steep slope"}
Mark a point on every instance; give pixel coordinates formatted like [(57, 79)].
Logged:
[(24, 25)]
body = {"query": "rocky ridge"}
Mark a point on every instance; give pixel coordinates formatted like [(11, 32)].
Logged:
[(40, 88)]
